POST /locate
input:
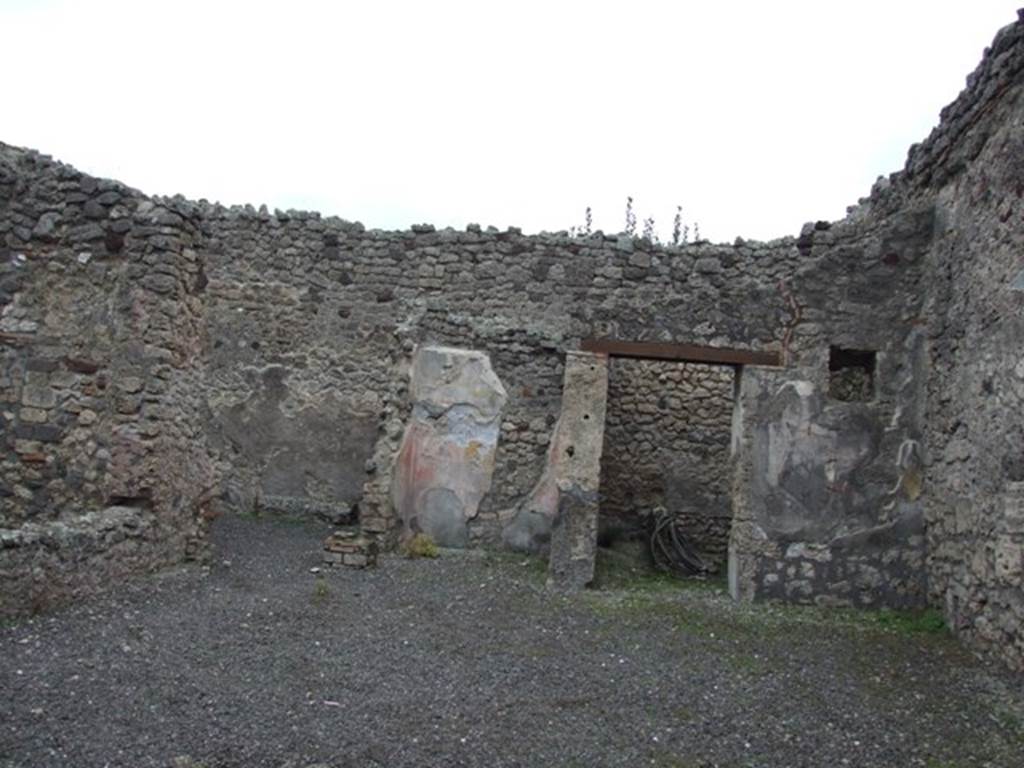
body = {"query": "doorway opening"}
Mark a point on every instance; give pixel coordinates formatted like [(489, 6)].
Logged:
[(667, 440), (667, 450)]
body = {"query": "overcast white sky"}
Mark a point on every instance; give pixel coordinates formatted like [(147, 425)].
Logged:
[(754, 116)]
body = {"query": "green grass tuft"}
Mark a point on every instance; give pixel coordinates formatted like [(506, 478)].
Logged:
[(320, 590), (420, 545), (927, 622), (533, 567), (616, 571)]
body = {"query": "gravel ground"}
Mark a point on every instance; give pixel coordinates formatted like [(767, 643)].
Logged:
[(467, 661)]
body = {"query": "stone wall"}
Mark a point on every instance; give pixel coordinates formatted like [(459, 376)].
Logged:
[(308, 316), (975, 438), (816, 517), (310, 319), (295, 411), (104, 469), (295, 332), (150, 345), (960, 462), (667, 442)]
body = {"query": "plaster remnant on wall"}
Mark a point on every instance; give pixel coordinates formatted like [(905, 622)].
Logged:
[(811, 523), (446, 459)]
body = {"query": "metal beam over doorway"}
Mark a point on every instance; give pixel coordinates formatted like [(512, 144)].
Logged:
[(686, 353)]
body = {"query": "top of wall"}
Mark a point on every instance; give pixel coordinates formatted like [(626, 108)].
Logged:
[(961, 133), (952, 144)]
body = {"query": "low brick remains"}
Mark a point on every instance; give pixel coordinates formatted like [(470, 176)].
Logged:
[(161, 357), (351, 549)]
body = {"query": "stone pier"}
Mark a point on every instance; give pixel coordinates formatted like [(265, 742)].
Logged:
[(575, 465)]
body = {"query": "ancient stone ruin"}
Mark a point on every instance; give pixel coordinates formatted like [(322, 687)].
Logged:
[(834, 418)]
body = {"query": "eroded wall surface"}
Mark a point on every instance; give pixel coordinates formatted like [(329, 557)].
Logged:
[(103, 462), (821, 511), (296, 375), (976, 388), (814, 516)]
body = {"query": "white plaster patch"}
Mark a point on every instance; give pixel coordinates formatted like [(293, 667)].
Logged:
[(897, 414), (801, 387), (736, 436)]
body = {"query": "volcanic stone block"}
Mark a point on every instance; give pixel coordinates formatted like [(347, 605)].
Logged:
[(37, 392)]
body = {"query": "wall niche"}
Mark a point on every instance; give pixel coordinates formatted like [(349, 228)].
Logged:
[(851, 374)]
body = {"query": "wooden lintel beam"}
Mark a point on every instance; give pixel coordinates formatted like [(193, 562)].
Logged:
[(686, 353)]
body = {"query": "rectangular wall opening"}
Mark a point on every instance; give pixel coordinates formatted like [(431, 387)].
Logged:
[(851, 374), (667, 443)]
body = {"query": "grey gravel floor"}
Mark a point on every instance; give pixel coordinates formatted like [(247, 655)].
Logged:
[(468, 661)]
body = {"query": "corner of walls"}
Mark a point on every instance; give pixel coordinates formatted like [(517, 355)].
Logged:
[(103, 468)]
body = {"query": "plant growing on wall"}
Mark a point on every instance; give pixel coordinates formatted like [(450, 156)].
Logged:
[(630, 218), (680, 230), (677, 225)]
